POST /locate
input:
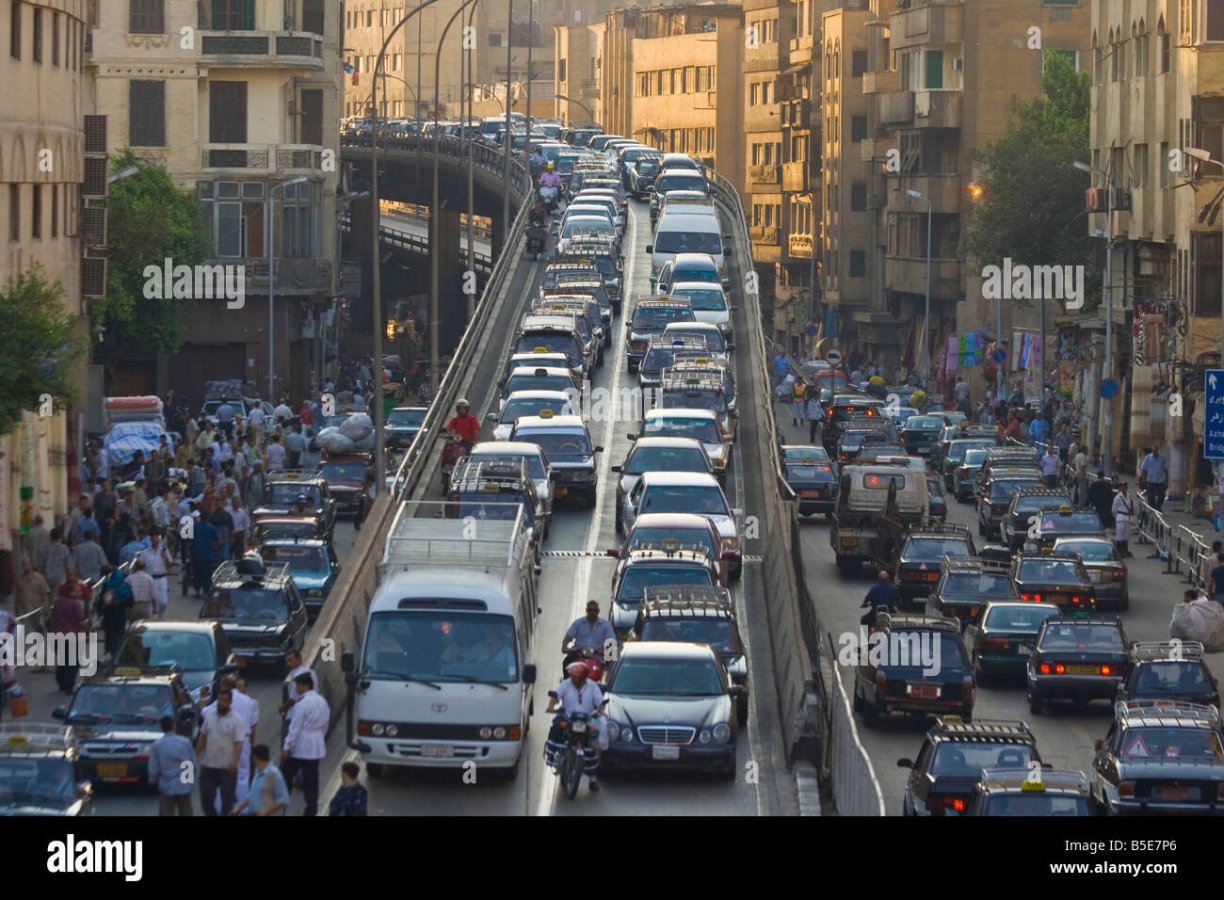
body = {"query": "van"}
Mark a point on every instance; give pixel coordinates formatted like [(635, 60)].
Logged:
[(681, 231), (445, 672), (875, 506)]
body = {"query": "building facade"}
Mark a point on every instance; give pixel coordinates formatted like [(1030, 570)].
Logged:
[(239, 100)]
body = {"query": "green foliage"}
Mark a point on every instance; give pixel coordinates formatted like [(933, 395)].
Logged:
[(1032, 208), (149, 219), (39, 345)]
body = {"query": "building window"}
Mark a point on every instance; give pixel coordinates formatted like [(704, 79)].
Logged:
[(294, 232), (858, 129), (233, 15), (1162, 164), (754, 94), (858, 63), (227, 112), (495, 39), (147, 113), (15, 31), (858, 263), (934, 70), (55, 210), (38, 35), (1139, 178), (146, 16), (1162, 45), (312, 117), (1143, 53), (561, 69), (313, 16), (1071, 56), (55, 39), (858, 197), (14, 212), (36, 214), (1214, 26)]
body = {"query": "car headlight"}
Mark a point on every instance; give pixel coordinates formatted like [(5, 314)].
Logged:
[(613, 731), (486, 733), (704, 737), (730, 544), (722, 733), (392, 730), (626, 734), (377, 729), (499, 732)]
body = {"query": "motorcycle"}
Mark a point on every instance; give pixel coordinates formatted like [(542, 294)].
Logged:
[(454, 450), (548, 196), (571, 759), (537, 237)]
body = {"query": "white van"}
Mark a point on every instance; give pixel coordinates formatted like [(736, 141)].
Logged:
[(681, 231), (445, 672)]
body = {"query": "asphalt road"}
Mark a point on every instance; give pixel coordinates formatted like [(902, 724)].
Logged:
[(1066, 735)]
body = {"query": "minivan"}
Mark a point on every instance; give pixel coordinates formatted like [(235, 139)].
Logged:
[(683, 232)]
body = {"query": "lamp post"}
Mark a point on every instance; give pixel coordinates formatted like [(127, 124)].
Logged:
[(586, 109), (1107, 456), (380, 462), (530, 73), (467, 138), (509, 121), (271, 216), (435, 219), (925, 357)]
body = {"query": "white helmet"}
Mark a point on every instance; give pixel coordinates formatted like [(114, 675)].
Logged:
[(462, 401)]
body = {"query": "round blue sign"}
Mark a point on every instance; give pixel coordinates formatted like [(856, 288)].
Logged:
[(1109, 389), (811, 331), (1000, 355)]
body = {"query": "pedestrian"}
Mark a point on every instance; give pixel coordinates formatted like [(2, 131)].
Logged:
[(34, 539), (815, 413), (144, 591), (1101, 498), (275, 454), (246, 709), (204, 558), (283, 413), (781, 367), (295, 445), (255, 424), (1215, 582), (306, 742), (368, 495), (53, 560), (1051, 464), (225, 417), (351, 798), (173, 766), (253, 490), (1080, 464), (69, 620), (289, 695), (219, 746), (157, 561), (1154, 476), (88, 559), (32, 594), (242, 527), (798, 396), (116, 601), (269, 795), (221, 520), (962, 395), (133, 548), (1124, 511)]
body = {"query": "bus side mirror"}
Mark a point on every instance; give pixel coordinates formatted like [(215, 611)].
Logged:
[(348, 663), (529, 674)]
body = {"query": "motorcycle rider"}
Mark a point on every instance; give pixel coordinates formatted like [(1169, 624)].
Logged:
[(588, 633), (538, 215), (301, 506), (882, 596), (464, 425), (576, 694), (550, 179), (537, 160)]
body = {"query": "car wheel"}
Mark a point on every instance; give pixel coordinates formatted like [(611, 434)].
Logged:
[(1036, 706), (741, 712), (375, 770)]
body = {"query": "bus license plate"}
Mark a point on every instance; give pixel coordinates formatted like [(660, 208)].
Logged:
[(664, 752), (437, 751), (112, 770)]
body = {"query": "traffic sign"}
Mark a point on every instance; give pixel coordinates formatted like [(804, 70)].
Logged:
[(812, 331), (999, 356), (1213, 414), (833, 357), (1109, 389)]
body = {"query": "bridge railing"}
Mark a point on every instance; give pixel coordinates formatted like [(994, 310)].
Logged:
[(483, 155), (419, 243)]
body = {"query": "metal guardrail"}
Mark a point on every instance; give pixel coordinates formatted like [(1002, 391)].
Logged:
[(856, 789), (487, 157), (419, 243)]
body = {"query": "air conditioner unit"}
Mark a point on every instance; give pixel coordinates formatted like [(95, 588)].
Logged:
[(958, 64)]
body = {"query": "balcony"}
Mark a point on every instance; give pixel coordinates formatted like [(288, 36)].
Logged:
[(262, 49), (931, 23), (937, 109), (908, 275), (293, 276), (876, 149), (796, 177), (895, 108), (298, 159), (763, 234), (881, 82), (799, 246), (944, 192), (763, 174)]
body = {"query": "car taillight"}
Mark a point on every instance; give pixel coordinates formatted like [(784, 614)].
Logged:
[(1075, 601), (1106, 670), (967, 687), (1118, 574), (1031, 598), (958, 805), (995, 643), (881, 680), (1126, 789)]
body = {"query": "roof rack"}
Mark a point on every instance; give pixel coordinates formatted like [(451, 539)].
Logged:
[(940, 529), (1174, 710), (17, 737), (1041, 492), (689, 378), (693, 342), (1051, 557), (986, 728), (137, 671), (1172, 651), (668, 547), (489, 476), (688, 598), (228, 572), (974, 563), (889, 621), (1050, 780)]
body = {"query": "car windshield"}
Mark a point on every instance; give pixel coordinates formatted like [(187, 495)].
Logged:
[(1172, 743), (656, 318), (532, 407), (24, 780), (637, 578), (585, 225), (1033, 804), (556, 275), (666, 459), (958, 449), (1049, 571), (1020, 618), (558, 342), (406, 418), (914, 651), (658, 537), (1072, 523), (1172, 677), (923, 423), (441, 646), (191, 650), (558, 382), (715, 632), (1082, 636), (657, 359), (246, 602), (657, 677), (922, 548), (986, 585), (343, 471), (704, 430), (680, 181), (535, 465), (704, 300), (689, 242), (970, 757), (1089, 551), (119, 702), (974, 457), (569, 446), (306, 558), (285, 493), (1033, 504), (701, 499), (1003, 490), (710, 276), (690, 398)]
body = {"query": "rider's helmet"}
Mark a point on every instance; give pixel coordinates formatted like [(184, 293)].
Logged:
[(302, 499), (578, 667), (550, 167), (462, 403)]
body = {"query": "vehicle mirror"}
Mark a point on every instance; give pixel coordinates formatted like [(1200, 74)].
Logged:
[(612, 552), (905, 763), (348, 662), (61, 712), (617, 469), (529, 674), (736, 690), (491, 417), (650, 248)]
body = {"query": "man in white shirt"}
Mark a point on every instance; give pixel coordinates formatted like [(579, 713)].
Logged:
[(576, 694), (255, 423), (306, 742), (1080, 463), (282, 413), (275, 454), (247, 710), (157, 562), (242, 525), (293, 662), (222, 733), (1051, 463)]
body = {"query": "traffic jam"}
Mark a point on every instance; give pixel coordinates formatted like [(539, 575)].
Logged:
[(993, 594)]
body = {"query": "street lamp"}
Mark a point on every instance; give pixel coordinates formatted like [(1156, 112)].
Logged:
[(271, 216), (1107, 456), (127, 172), (586, 109), (976, 193), (925, 357)]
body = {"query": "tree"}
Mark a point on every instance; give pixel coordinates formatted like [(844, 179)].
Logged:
[(149, 220), (1032, 203), (39, 345)]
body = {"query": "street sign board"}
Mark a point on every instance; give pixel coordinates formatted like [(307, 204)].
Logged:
[(1109, 389), (833, 357), (1213, 414)]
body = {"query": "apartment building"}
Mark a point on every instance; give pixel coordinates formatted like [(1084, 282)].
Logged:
[(1158, 88), (239, 100), (672, 77), (939, 81), (767, 34), (42, 169)]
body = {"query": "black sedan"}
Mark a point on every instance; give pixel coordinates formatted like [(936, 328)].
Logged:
[(1060, 579), (1003, 635), (919, 566), (1170, 670), (1081, 658), (671, 705), (967, 585), (815, 486)]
